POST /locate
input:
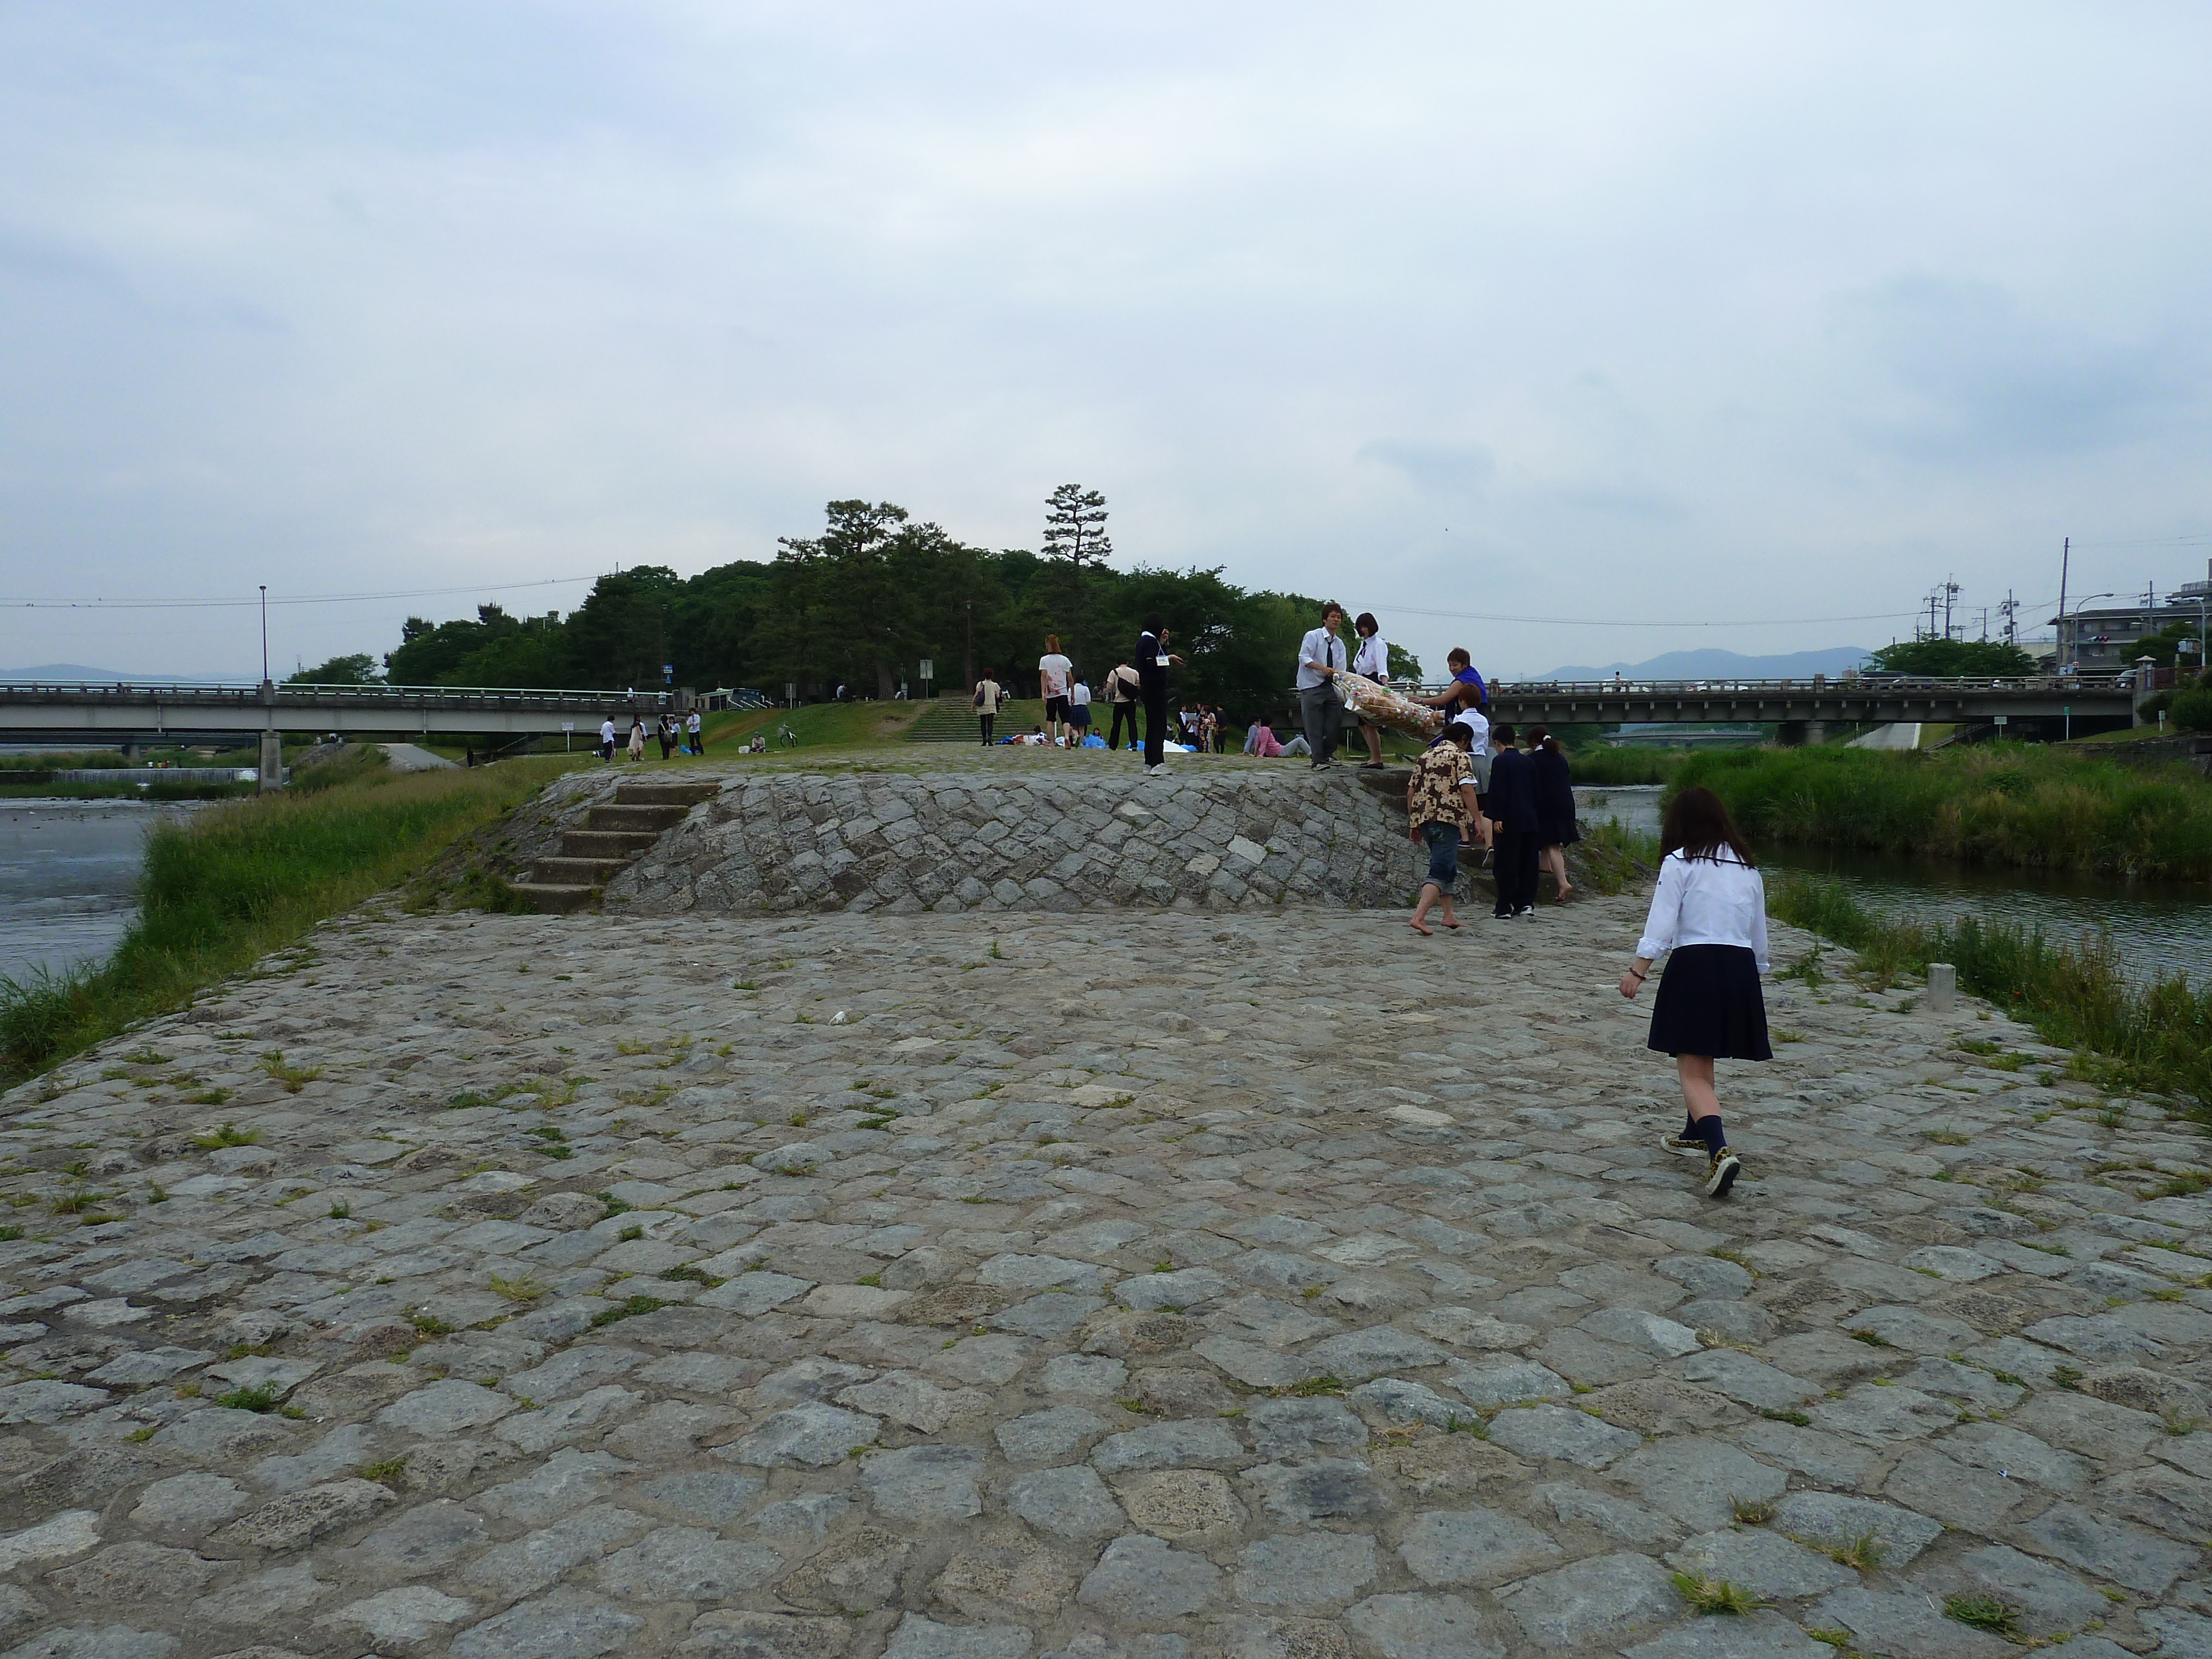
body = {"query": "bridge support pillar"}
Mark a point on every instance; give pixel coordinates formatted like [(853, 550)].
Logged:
[(1816, 731), (1791, 734), (272, 760)]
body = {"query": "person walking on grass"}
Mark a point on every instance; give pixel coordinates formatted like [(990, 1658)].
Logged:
[(1440, 810), (1054, 673), (1153, 659), (1511, 803), (1372, 662), (1321, 659), (1556, 830), (987, 693), (1124, 687), (1709, 910), (607, 739)]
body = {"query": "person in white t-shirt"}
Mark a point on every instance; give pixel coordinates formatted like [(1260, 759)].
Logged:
[(1079, 712), (1478, 750), (1055, 672), (607, 739)]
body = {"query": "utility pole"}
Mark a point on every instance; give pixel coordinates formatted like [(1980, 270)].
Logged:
[(2008, 611), (264, 632), (2065, 558), (660, 644), (1986, 625), (1950, 593), (968, 652)]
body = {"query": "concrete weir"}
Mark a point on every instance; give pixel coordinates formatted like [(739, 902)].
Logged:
[(1057, 839)]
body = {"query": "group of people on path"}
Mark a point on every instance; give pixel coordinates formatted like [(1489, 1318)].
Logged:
[(1475, 785), (689, 735)]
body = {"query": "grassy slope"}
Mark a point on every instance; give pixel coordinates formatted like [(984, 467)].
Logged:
[(239, 880)]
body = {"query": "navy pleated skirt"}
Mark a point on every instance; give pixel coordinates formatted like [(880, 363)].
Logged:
[(1710, 1003)]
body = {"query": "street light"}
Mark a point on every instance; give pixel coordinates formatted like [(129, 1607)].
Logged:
[(2078, 605)]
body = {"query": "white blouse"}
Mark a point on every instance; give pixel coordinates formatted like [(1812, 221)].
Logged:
[(1715, 901), (1374, 658)]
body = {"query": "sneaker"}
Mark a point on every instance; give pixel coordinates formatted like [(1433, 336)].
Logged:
[(1688, 1146), (1726, 1167), (1159, 771), (1525, 910)]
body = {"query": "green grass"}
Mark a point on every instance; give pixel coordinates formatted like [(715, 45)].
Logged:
[(2156, 1039), (240, 880), (817, 726), (2008, 804), (1602, 764)]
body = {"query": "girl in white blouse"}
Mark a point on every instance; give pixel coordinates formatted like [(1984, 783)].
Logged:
[(1709, 910), (1372, 662)]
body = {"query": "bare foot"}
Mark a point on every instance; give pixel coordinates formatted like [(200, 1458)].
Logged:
[(1563, 891), (1451, 922), (1415, 925)]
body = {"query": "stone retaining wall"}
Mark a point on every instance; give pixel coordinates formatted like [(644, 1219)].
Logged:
[(1044, 840)]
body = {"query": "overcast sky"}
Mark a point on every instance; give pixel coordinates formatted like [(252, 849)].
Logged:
[(1764, 313)]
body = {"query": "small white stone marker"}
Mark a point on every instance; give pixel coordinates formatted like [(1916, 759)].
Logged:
[(1942, 988)]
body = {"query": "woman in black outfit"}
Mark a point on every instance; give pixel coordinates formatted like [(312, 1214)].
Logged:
[(1555, 806)]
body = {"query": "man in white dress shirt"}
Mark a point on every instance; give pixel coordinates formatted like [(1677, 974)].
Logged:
[(1321, 659)]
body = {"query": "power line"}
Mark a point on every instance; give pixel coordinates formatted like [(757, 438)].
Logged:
[(1647, 621), (17, 603)]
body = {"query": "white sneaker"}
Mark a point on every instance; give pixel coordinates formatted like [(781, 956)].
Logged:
[(1159, 771)]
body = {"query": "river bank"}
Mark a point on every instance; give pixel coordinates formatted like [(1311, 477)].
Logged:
[(69, 879)]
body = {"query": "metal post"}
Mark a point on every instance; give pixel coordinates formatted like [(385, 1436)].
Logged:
[(264, 632), (2065, 559)]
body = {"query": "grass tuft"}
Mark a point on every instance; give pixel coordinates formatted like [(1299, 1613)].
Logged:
[(1982, 1612), (1712, 1596)]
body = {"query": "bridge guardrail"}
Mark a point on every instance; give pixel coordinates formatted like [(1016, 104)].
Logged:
[(233, 695)]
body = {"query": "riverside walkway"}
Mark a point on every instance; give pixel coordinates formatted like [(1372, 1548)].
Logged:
[(1108, 1286)]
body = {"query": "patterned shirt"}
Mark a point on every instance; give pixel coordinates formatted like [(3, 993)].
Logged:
[(1432, 795)]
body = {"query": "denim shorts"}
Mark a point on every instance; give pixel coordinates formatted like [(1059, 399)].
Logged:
[(1443, 852)]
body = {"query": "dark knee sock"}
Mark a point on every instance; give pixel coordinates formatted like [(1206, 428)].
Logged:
[(1709, 1129)]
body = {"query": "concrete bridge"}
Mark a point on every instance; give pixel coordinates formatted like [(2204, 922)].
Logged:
[(2040, 706), (126, 715)]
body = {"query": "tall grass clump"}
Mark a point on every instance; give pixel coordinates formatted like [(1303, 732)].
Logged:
[(2156, 1039), (238, 880), (1618, 763), (2021, 805)]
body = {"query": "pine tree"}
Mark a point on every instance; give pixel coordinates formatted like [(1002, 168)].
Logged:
[(1075, 529)]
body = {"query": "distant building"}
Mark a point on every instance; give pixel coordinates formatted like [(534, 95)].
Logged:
[(2101, 638)]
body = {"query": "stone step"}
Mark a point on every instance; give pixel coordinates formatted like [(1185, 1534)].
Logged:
[(686, 795), (593, 872), (558, 898), (605, 843), (645, 819)]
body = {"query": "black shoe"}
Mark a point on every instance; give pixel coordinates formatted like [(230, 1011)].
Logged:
[(1721, 1176)]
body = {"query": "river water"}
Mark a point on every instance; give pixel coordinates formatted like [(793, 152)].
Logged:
[(2160, 928), (69, 878)]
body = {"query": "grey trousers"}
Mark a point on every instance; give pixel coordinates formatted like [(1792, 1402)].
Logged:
[(1323, 719)]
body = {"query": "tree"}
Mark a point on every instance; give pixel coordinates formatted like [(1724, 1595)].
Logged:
[(359, 669), (845, 574), (1992, 658), (1075, 529)]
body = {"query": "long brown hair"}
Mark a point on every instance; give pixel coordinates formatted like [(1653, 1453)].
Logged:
[(1541, 738), (1698, 826)]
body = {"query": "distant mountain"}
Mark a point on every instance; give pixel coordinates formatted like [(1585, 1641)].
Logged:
[(1715, 664), (76, 673)]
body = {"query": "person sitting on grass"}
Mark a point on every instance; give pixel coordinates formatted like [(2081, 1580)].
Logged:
[(1440, 810), (1260, 740)]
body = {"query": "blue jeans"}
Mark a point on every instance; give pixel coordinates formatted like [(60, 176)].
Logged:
[(1444, 854)]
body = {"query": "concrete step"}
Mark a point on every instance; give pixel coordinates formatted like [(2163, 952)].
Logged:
[(650, 820), (558, 898), (605, 843), (592, 872), (686, 795)]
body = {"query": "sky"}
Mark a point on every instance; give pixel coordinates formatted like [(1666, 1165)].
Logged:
[(1573, 333)]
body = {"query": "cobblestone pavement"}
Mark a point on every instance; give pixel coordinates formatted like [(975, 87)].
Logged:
[(1115, 1287)]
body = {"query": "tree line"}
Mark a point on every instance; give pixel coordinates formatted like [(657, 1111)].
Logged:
[(862, 603)]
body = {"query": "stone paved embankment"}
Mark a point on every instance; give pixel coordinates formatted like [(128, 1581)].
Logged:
[(1072, 836), (1112, 1286)]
